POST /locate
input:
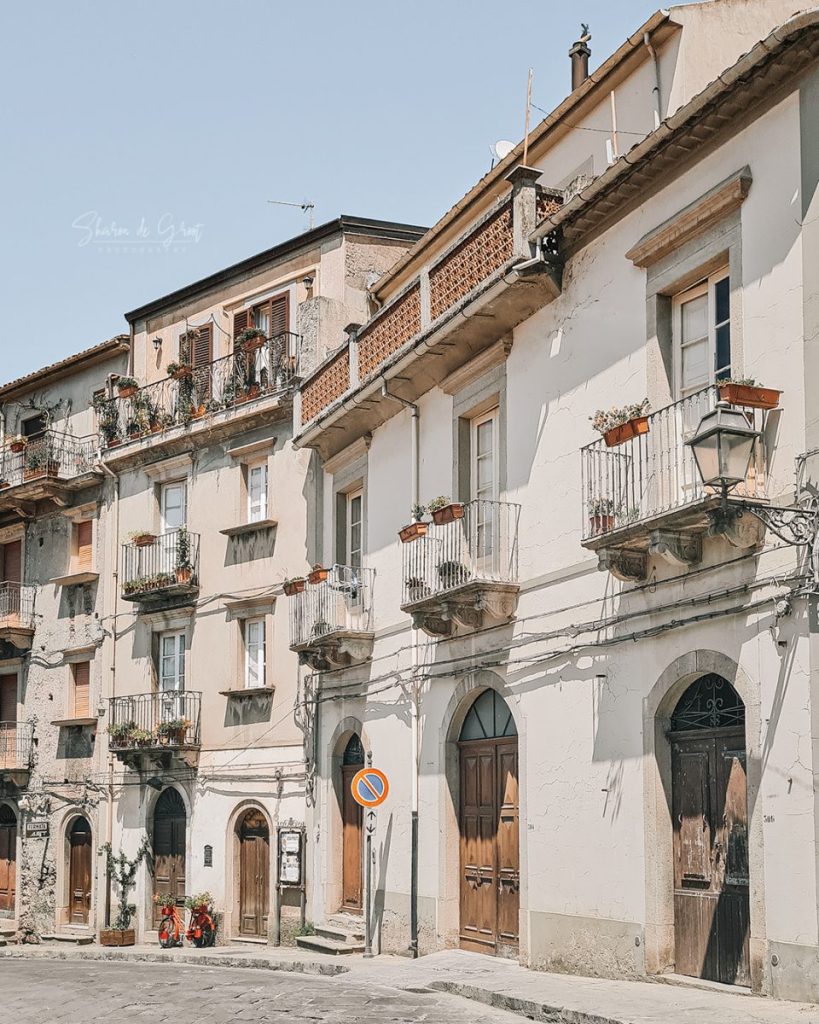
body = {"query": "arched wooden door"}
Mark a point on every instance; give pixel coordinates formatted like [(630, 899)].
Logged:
[(8, 860), (254, 874), (489, 827), (351, 819), (710, 821), (170, 826), (79, 871)]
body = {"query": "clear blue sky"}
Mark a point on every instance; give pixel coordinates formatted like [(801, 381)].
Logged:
[(183, 115)]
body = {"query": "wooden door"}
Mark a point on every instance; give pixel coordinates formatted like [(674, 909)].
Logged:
[(79, 872), (8, 720), (711, 883), (8, 859), (352, 848), (490, 863), (254, 875), (169, 848), (13, 562)]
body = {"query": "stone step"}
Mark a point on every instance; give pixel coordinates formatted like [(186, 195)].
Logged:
[(339, 934), (74, 938), (322, 944)]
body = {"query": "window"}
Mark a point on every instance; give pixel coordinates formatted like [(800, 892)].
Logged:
[(702, 334), (257, 493), (81, 689), (254, 653), (174, 506), (355, 528), (172, 662), (12, 559), (82, 546), (34, 426), (484, 488), (271, 316)]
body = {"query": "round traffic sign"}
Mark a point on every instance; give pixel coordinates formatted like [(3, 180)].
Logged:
[(370, 787)]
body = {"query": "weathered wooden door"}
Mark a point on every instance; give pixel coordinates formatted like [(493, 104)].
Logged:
[(8, 859), (79, 871), (8, 721), (489, 829), (169, 848), (710, 819), (351, 823), (254, 875)]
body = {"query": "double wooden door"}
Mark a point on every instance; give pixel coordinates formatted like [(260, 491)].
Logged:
[(170, 829), (490, 847), (79, 871), (254, 875), (8, 859), (711, 884), (352, 848), (8, 721)]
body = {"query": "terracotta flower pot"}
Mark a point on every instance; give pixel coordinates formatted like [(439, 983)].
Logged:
[(184, 575), (128, 392), (749, 395), (253, 345), (144, 540), (18, 446), (448, 514), (182, 372), (625, 431), (318, 576), (413, 532), (116, 937), (601, 523), (293, 587)]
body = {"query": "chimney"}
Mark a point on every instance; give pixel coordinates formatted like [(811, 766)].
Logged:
[(580, 54)]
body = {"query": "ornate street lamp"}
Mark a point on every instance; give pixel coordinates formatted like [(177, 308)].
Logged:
[(723, 446)]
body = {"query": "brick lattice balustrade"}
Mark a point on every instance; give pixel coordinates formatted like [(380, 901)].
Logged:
[(326, 386), (387, 334)]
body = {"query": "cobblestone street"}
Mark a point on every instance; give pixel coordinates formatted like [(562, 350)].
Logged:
[(55, 992)]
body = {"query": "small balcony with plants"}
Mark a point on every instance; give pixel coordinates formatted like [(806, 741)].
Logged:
[(260, 372), (46, 466), (17, 614), (156, 729), (16, 747), (460, 567), (642, 493), (163, 569), (331, 616)]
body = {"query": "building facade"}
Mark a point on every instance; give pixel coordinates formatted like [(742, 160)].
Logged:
[(590, 683)]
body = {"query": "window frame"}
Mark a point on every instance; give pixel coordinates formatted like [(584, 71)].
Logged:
[(356, 494), (706, 286), (261, 659), (490, 416), (180, 650), (251, 468)]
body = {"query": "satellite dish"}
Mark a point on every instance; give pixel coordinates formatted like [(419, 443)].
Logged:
[(502, 148)]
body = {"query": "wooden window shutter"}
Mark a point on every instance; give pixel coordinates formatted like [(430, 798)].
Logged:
[(279, 316), (241, 322), (85, 549), (13, 562), (8, 698), (202, 352), (82, 689)]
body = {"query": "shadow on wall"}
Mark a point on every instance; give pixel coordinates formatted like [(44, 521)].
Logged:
[(382, 861), (251, 547), (249, 710), (76, 742), (77, 600)]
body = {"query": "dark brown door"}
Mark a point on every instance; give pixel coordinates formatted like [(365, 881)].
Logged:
[(79, 871), (254, 875), (8, 859), (169, 848), (711, 884), (8, 721), (13, 562), (351, 817)]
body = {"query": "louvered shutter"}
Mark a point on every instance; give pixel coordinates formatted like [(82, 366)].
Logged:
[(241, 322), (13, 562), (82, 689), (279, 316), (201, 358), (85, 549)]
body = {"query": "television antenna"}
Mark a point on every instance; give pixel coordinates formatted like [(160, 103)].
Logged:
[(306, 207)]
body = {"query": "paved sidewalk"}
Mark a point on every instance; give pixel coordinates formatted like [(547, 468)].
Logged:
[(556, 998)]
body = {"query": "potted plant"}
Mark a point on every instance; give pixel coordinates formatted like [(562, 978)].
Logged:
[(417, 528), (142, 538), (179, 370), (165, 901), (184, 567), (18, 444), (133, 429), (453, 574), (200, 902), (40, 463), (122, 871), (444, 510), (621, 423), (601, 515), (127, 386), (745, 392), (108, 419), (251, 339), (142, 738), (120, 733), (294, 586), (172, 732), (318, 575), (417, 590)]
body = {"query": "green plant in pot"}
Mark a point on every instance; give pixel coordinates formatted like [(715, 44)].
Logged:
[(122, 870), (251, 339), (453, 574), (173, 730), (120, 733), (108, 419), (184, 566)]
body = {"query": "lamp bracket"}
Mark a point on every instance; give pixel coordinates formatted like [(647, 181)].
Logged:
[(794, 525)]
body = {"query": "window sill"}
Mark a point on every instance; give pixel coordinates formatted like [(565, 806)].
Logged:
[(74, 578), (244, 692), (238, 531), (68, 722)]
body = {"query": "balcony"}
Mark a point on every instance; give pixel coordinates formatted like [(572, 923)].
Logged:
[(17, 615), (644, 496), (155, 730), (161, 570), (16, 744), (210, 394), (46, 468), (331, 622), (463, 573)]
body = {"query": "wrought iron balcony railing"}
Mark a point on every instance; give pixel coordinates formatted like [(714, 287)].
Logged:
[(654, 473), (155, 720), (16, 742), (340, 604), (51, 456), (198, 393), (16, 606), (163, 566), (482, 546)]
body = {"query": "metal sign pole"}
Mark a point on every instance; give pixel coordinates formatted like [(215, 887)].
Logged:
[(368, 930)]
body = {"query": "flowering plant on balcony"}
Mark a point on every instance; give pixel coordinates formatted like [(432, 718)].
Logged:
[(251, 339), (453, 574), (18, 444), (744, 391), (120, 733), (178, 370), (127, 386), (173, 730), (108, 418), (444, 510), (200, 901), (605, 420)]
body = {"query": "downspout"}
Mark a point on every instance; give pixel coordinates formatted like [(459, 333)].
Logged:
[(415, 693), (656, 89), (109, 829)]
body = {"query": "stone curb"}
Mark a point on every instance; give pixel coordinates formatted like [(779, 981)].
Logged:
[(195, 959), (523, 1007)]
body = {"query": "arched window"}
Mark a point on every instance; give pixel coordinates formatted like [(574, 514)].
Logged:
[(488, 718), (170, 805), (354, 751), (710, 702), (7, 816)]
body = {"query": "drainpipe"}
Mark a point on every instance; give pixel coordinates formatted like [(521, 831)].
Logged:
[(656, 89), (414, 697), (109, 830)]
